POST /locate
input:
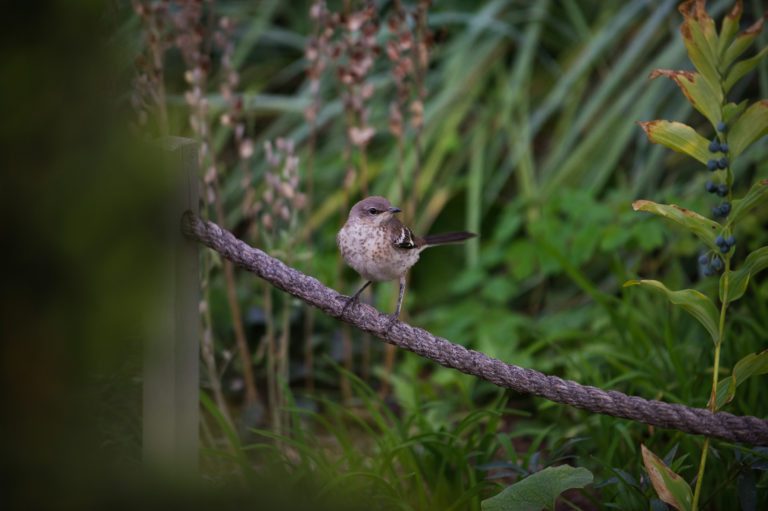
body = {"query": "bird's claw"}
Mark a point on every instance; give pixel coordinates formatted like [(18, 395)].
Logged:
[(350, 301)]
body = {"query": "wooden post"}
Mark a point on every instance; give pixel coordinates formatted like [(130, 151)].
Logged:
[(171, 356)]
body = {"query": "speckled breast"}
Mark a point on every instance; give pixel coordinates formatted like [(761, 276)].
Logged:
[(371, 254)]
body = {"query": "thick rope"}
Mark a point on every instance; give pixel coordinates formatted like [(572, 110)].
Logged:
[(726, 426)]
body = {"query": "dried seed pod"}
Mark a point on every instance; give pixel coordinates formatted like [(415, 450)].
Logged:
[(300, 202), (395, 119), (285, 190), (266, 221), (361, 136), (246, 149), (285, 213)]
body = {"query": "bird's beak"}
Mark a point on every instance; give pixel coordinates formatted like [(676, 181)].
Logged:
[(394, 210)]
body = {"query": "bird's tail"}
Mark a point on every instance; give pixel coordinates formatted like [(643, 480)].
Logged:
[(444, 238)]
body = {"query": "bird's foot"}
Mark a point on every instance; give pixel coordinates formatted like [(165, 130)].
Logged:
[(350, 301)]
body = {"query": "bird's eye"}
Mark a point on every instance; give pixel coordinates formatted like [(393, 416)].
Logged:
[(372, 211)]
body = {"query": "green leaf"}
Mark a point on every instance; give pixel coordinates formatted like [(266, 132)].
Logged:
[(732, 109), (730, 28), (692, 301), (697, 90), (671, 488), (699, 38), (742, 42), (539, 490), (702, 227), (678, 137), (736, 281), (741, 68), (752, 365), (750, 126), (756, 195)]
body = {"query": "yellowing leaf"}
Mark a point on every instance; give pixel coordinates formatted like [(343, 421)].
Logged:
[(678, 137), (702, 227), (671, 488), (697, 90), (700, 40)]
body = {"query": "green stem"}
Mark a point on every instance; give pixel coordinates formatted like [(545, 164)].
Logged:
[(713, 393)]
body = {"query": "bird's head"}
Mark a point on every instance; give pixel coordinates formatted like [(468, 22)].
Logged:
[(373, 211)]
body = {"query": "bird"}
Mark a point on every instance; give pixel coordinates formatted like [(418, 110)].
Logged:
[(378, 246)]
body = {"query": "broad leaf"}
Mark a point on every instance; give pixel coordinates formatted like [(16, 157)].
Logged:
[(737, 281), (756, 195), (741, 68), (695, 303), (697, 90), (729, 28), (750, 126), (700, 40), (702, 227), (732, 109), (671, 488), (539, 490), (678, 137), (742, 42), (752, 365)]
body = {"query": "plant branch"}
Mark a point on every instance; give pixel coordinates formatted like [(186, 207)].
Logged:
[(726, 426)]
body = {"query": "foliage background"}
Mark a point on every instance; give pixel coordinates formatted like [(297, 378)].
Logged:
[(529, 139)]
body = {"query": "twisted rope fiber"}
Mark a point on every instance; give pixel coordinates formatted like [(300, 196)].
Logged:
[(747, 429)]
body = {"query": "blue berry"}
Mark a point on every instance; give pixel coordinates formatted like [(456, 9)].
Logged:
[(724, 249), (710, 186), (703, 259), (731, 241), (720, 241), (721, 126), (714, 146), (717, 263), (712, 164), (724, 147), (722, 190), (722, 210), (723, 163), (708, 271)]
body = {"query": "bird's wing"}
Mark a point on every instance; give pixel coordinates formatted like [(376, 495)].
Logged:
[(401, 236)]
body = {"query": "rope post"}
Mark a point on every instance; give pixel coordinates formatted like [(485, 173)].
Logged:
[(171, 355)]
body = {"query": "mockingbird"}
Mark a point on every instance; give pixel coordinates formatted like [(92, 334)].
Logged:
[(380, 248)]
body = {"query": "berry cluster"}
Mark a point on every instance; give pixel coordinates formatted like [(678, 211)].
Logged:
[(708, 267), (725, 244), (722, 210), (715, 264), (720, 190)]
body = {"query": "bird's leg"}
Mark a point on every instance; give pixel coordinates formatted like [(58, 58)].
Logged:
[(354, 296), (400, 298), (394, 317)]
